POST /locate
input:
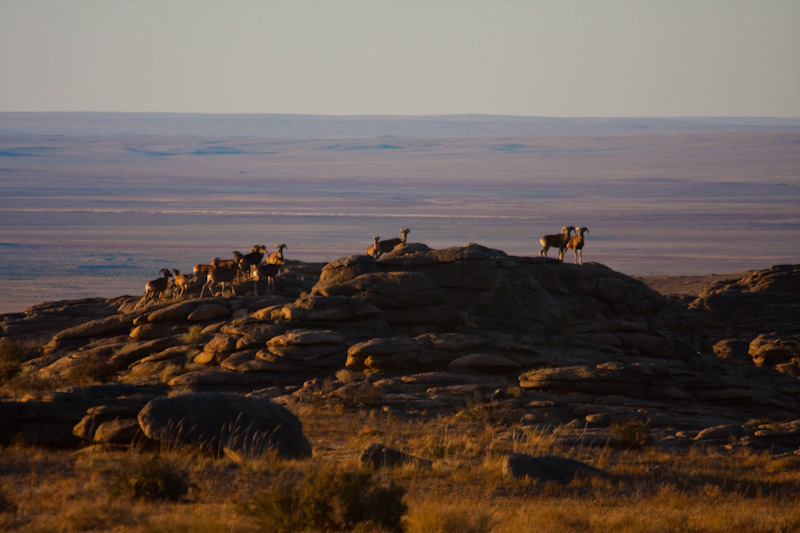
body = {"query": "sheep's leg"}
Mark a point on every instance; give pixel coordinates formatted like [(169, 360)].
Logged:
[(580, 255)]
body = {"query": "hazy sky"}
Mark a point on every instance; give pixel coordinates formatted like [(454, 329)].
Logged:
[(537, 58)]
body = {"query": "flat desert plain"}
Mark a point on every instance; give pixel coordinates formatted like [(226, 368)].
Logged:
[(95, 204)]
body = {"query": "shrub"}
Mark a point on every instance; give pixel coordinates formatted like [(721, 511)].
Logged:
[(90, 371), (499, 413), (150, 479), (630, 433), (329, 500), (13, 354), (6, 505)]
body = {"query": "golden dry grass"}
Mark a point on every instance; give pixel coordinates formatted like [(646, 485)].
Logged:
[(649, 490)]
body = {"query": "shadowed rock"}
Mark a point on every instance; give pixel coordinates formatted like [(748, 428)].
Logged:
[(377, 456), (548, 468), (215, 422)]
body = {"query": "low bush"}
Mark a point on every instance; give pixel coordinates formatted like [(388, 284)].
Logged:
[(12, 356), (6, 505), (91, 371), (330, 500), (630, 433), (150, 479)]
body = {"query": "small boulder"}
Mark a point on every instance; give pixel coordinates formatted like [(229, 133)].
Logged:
[(377, 456), (548, 468)]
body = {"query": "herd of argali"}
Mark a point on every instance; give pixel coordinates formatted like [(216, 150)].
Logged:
[(250, 266)]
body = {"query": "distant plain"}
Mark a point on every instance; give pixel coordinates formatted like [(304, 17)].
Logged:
[(95, 205)]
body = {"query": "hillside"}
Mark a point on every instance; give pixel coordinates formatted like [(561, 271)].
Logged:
[(422, 331)]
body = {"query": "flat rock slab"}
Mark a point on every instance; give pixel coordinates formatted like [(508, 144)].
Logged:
[(217, 422)]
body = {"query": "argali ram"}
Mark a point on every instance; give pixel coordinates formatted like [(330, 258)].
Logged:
[(576, 244), (556, 241)]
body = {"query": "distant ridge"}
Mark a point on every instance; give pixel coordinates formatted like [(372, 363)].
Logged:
[(333, 127)]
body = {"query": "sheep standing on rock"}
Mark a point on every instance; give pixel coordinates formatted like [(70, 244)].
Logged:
[(201, 272), (181, 282), (276, 258), (248, 261), (156, 287), (266, 271), (556, 241), (221, 272), (576, 243)]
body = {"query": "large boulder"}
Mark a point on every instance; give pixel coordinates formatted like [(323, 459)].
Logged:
[(217, 422), (345, 269), (404, 297)]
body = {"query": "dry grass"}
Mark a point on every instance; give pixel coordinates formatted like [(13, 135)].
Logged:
[(648, 490)]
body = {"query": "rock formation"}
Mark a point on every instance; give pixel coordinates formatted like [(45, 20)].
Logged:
[(426, 330)]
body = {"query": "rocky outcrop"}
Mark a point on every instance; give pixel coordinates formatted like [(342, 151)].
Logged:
[(426, 331), (779, 350), (750, 320)]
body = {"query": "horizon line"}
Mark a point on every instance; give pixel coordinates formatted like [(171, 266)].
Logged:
[(411, 116)]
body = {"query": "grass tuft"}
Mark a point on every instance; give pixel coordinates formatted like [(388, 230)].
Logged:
[(631, 434), (452, 518)]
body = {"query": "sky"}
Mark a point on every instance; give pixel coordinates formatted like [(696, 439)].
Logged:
[(560, 58)]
